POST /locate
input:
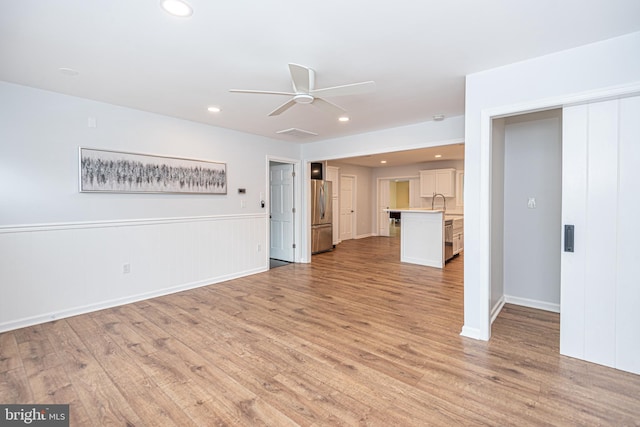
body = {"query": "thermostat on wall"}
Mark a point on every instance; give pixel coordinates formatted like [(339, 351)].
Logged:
[(242, 190)]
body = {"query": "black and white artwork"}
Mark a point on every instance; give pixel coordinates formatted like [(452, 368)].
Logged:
[(118, 172)]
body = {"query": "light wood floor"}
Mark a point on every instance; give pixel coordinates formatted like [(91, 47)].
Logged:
[(355, 338)]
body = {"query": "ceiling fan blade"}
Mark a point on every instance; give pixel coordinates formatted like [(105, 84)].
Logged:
[(352, 89), (302, 77), (284, 107), (266, 92), (328, 107)]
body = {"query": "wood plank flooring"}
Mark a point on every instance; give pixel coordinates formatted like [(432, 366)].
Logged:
[(353, 339)]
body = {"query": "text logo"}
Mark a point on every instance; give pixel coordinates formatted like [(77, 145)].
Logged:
[(34, 415)]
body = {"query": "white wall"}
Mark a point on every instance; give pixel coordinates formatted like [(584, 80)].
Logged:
[(63, 252), (606, 68)]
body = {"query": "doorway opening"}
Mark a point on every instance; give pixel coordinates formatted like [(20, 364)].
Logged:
[(398, 192), (526, 211)]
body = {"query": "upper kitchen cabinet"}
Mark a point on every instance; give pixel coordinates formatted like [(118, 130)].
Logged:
[(439, 181)]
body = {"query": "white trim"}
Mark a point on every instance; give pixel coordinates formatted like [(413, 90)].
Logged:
[(485, 225), (364, 236), (28, 228), (43, 318), (471, 333), (495, 311), (620, 91), (526, 302)]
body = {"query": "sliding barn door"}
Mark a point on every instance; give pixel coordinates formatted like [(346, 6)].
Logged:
[(600, 294)]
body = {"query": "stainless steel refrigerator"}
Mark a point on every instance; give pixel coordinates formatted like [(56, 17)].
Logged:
[(321, 216)]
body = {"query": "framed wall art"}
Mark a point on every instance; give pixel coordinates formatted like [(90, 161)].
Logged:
[(120, 172)]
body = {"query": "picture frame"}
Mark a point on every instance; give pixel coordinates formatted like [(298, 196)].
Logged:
[(106, 171)]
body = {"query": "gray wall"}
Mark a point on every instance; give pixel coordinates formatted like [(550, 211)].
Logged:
[(533, 169)]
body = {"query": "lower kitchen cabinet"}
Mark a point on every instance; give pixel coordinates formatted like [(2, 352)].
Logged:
[(458, 235)]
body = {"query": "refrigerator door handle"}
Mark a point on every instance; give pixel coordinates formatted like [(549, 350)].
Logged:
[(322, 201)]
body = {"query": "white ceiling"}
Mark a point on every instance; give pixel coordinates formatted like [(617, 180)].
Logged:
[(131, 53), (400, 158)]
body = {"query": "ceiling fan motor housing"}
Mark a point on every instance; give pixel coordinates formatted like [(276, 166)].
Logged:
[(303, 98)]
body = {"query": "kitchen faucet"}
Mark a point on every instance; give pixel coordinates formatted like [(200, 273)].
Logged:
[(444, 201)]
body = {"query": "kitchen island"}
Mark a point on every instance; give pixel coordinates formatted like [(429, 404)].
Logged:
[(421, 236)]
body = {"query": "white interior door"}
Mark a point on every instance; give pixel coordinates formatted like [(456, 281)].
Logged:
[(383, 203), (600, 296), (347, 210), (281, 211)]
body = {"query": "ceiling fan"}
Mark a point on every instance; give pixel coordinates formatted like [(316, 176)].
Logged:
[(304, 91)]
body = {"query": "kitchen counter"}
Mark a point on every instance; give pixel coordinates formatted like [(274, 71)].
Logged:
[(421, 236)]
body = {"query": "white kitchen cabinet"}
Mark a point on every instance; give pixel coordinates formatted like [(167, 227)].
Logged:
[(439, 181), (458, 235)]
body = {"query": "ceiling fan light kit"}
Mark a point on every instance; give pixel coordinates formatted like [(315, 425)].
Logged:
[(304, 92)]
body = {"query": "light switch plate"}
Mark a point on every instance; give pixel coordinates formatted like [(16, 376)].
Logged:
[(531, 204)]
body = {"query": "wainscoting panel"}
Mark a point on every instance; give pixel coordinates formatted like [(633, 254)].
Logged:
[(60, 270)]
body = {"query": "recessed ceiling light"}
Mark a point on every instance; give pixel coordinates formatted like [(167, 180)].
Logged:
[(214, 109), (383, 161), (437, 156), (343, 119), (177, 8), (438, 117)]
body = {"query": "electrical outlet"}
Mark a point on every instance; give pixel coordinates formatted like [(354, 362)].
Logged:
[(259, 247), (126, 268)]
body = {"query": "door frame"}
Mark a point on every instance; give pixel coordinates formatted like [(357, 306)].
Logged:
[(388, 179), (297, 197), (485, 216)]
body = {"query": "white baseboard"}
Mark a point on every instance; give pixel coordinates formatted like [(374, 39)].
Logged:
[(48, 317), (540, 305), (471, 333), (495, 310), (362, 236)]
